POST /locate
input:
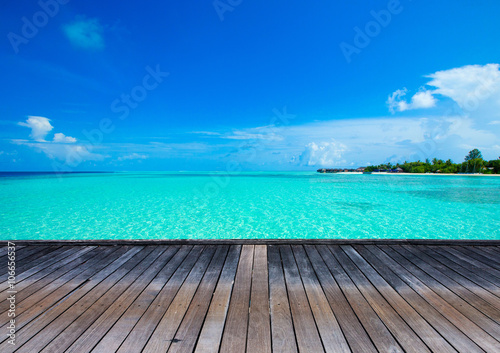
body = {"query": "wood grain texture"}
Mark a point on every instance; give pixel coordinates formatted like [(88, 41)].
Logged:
[(244, 296)]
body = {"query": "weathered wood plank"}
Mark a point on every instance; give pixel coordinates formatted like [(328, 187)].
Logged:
[(120, 330), (67, 291), (492, 251), (373, 325), (259, 328), (483, 300), (189, 329), (51, 324), (282, 332), (453, 335), (234, 337), (306, 332), (355, 334), (140, 334), (51, 259), (99, 326), (396, 325), (349, 296), (329, 329), (137, 277), (452, 293), (49, 289), (211, 334), (485, 252), (164, 333), (40, 280), (422, 328), (434, 292)]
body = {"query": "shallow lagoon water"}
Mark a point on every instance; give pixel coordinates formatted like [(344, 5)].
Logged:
[(163, 205)]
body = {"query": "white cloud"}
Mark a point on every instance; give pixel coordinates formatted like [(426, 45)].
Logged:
[(420, 100), (85, 33), (39, 125), (60, 137), (62, 147), (358, 142), (469, 85), (474, 88), (423, 99), (268, 132), (323, 154), (132, 156)]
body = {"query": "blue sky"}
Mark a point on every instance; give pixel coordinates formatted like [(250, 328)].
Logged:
[(261, 85)]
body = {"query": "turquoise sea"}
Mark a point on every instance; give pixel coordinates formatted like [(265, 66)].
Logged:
[(165, 205)]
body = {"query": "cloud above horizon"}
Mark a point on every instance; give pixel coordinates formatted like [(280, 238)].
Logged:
[(39, 125), (420, 100), (85, 33), (62, 147), (323, 154), (471, 87)]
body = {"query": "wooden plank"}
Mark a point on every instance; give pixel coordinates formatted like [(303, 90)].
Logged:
[(98, 326), (259, 328), (52, 259), (329, 329), (35, 269), (234, 337), (396, 325), (474, 294), (282, 333), (489, 259), (31, 252), (25, 256), (484, 251), (122, 293), (306, 332), (58, 307), (189, 330), (492, 251), (453, 335), (138, 337), (355, 334), (120, 330), (477, 258), (104, 258), (49, 289), (433, 292), (43, 278), (119, 299), (42, 331), (451, 291), (378, 332), (481, 268), (211, 333), (465, 271), (164, 333), (35, 261), (425, 332), (456, 262)]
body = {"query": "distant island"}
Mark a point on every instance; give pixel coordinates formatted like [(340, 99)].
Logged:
[(472, 164)]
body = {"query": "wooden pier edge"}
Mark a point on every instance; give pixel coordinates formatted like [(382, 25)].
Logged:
[(102, 242)]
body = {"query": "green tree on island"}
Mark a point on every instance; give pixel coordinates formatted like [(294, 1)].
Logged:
[(473, 163), (474, 154)]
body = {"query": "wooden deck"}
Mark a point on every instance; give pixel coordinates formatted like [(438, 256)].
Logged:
[(255, 298)]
